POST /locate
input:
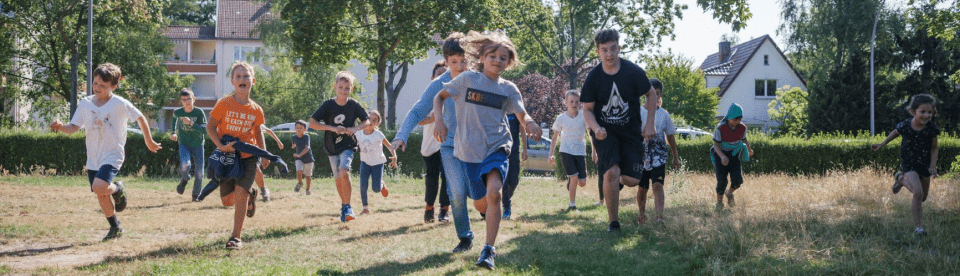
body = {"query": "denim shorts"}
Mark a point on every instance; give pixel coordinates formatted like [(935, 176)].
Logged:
[(105, 173), (477, 172), (342, 160)]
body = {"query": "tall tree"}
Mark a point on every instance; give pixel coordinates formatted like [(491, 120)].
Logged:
[(685, 90), (191, 12), (375, 32)]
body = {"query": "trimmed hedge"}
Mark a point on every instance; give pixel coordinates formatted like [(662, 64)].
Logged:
[(816, 155), (23, 151)]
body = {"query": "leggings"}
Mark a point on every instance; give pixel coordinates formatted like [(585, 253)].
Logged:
[(435, 185), (732, 168)]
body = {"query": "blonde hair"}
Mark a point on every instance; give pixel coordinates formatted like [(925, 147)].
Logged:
[(245, 65), (476, 45), (380, 118), (345, 75), (571, 92)]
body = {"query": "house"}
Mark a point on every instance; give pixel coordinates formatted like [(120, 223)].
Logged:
[(749, 74), (206, 53)]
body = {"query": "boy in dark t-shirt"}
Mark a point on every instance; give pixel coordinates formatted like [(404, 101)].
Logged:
[(339, 116), (303, 154)]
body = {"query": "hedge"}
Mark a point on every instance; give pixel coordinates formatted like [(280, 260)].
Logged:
[(799, 156), (24, 151)]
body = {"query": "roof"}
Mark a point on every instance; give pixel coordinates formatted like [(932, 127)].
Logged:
[(236, 19), (739, 56), (196, 32)]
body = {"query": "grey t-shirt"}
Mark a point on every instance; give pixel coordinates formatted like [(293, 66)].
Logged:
[(482, 105)]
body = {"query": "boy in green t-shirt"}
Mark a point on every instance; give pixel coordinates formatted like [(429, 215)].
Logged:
[(190, 124)]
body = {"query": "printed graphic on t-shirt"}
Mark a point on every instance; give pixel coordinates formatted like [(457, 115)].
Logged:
[(240, 122), (187, 124), (339, 119), (615, 111), (484, 98)]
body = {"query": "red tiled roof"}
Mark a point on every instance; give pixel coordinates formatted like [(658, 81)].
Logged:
[(236, 19), (197, 32)]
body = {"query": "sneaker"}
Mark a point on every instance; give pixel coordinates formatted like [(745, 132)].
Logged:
[(346, 213), (384, 192), (444, 215), (115, 232), (234, 244), (718, 207), (266, 194), (182, 186), (252, 203), (897, 185), (730, 201), (486, 257), (308, 192), (599, 203), (120, 197), (428, 216), (614, 227), (365, 211), (464, 245), (506, 213), (297, 188), (572, 209), (919, 232)]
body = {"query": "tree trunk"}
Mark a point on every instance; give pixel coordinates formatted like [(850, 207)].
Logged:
[(393, 91), (381, 81)]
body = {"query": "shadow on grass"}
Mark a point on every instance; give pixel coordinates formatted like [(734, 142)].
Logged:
[(416, 228), (396, 268), (34, 251)]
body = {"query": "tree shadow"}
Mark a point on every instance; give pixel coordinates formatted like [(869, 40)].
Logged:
[(396, 268), (34, 251)]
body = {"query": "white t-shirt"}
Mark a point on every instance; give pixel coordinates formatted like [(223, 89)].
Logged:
[(106, 129), (664, 126), (572, 130), (430, 145), (371, 147)]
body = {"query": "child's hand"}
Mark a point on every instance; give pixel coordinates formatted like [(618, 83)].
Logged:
[(187, 121), (533, 132), (876, 147), (341, 130), (676, 163), (524, 156), (933, 171), (594, 155), (296, 155), (280, 145), (173, 137), (601, 133), (751, 152), (439, 130), (350, 131), (398, 144), (551, 160), (153, 146), (724, 160), (393, 162)]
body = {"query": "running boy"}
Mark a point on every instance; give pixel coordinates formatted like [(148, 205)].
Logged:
[(656, 156), (483, 100), (611, 108), (238, 116), (730, 148), (339, 116), (105, 116), (303, 155), (918, 154), (571, 128), (372, 158), (190, 124)]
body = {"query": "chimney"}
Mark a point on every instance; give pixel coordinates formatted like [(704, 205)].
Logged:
[(724, 51)]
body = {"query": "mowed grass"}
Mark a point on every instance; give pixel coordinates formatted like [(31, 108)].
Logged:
[(844, 223)]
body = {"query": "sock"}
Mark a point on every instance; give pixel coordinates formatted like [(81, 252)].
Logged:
[(573, 203), (366, 207), (114, 223), (429, 207)]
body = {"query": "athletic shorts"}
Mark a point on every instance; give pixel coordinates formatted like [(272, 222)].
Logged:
[(342, 160), (477, 172), (623, 149), (922, 170), (655, 175), (246, 182), (574, 165), (305, 168), (105, 173)]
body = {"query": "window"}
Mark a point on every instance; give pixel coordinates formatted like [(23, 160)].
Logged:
[(766, 59), (765, 88), (243, 53)]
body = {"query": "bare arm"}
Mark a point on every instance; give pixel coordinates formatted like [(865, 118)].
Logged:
[(314, 124), (439, 129), (651, 105), (672, 141), (893, 135), (147, 138), (553, 145), (591, 120), (426, 120), (274, 135), (305, 150), (359, 127), (68, 128)]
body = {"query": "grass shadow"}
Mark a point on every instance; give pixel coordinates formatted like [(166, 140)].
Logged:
[(398, 231), (34, 251), (396, 268)]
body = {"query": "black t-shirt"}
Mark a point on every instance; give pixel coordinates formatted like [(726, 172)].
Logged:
[(915, 149), (616, 97), (300, 143), (333, 114)]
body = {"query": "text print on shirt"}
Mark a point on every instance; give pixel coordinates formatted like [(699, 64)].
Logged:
[(241, 122), (485, 98), (615, 111)]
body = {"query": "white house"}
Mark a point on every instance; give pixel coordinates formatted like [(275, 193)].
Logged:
[(749, 74)]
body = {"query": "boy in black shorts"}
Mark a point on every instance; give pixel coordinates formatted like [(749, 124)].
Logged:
[(655, 153)]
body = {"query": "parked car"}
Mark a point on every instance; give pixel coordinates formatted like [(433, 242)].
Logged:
[(289, 127), (691, 133), (538, 156)]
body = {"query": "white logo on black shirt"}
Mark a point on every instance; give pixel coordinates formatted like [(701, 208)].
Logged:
[(339, 119), (615, 111)]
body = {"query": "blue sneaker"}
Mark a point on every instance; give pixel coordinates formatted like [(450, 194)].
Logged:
[(486, 257), (506, 213), (346, 213)]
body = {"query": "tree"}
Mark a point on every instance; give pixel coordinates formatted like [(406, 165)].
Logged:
[(376, 32), (540, 95), (684, 89), (53, 32), (191, 12), (790, 110)]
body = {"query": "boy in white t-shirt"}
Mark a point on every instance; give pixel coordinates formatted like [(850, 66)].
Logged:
[(105, 117), (571, 128), (655, 156), (372, 158)]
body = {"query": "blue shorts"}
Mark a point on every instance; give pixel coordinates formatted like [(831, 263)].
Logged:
[(477, 171), (342, 160), (105, 173)]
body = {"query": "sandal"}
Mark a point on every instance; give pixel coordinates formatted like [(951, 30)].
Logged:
[(641, 219), (896, 182), (234, 244), (252, 203)]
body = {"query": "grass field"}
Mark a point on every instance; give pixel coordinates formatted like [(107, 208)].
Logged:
[(842, 223)]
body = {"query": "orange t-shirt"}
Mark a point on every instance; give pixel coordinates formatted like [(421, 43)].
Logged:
[(238, 120)]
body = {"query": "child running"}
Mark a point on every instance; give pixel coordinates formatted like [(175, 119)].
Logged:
[(339, 116), (434, 177), (571, 128), (190, 123), (483, 99), (730, 148), (105, 116), (303, 155), (918, 154), (656, 157), (372, 158)]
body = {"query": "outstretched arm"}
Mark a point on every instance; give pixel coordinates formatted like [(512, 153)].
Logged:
[(893, 135), (147, 138), (274, 135)]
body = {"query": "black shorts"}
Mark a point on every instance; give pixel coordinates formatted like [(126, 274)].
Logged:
[(623, 149), (249, 175), (574, 165), (922, 170), (655, 175)]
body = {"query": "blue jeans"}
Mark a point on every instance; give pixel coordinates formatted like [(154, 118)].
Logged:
[(458, 182), (187, 154), (367, 172)]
